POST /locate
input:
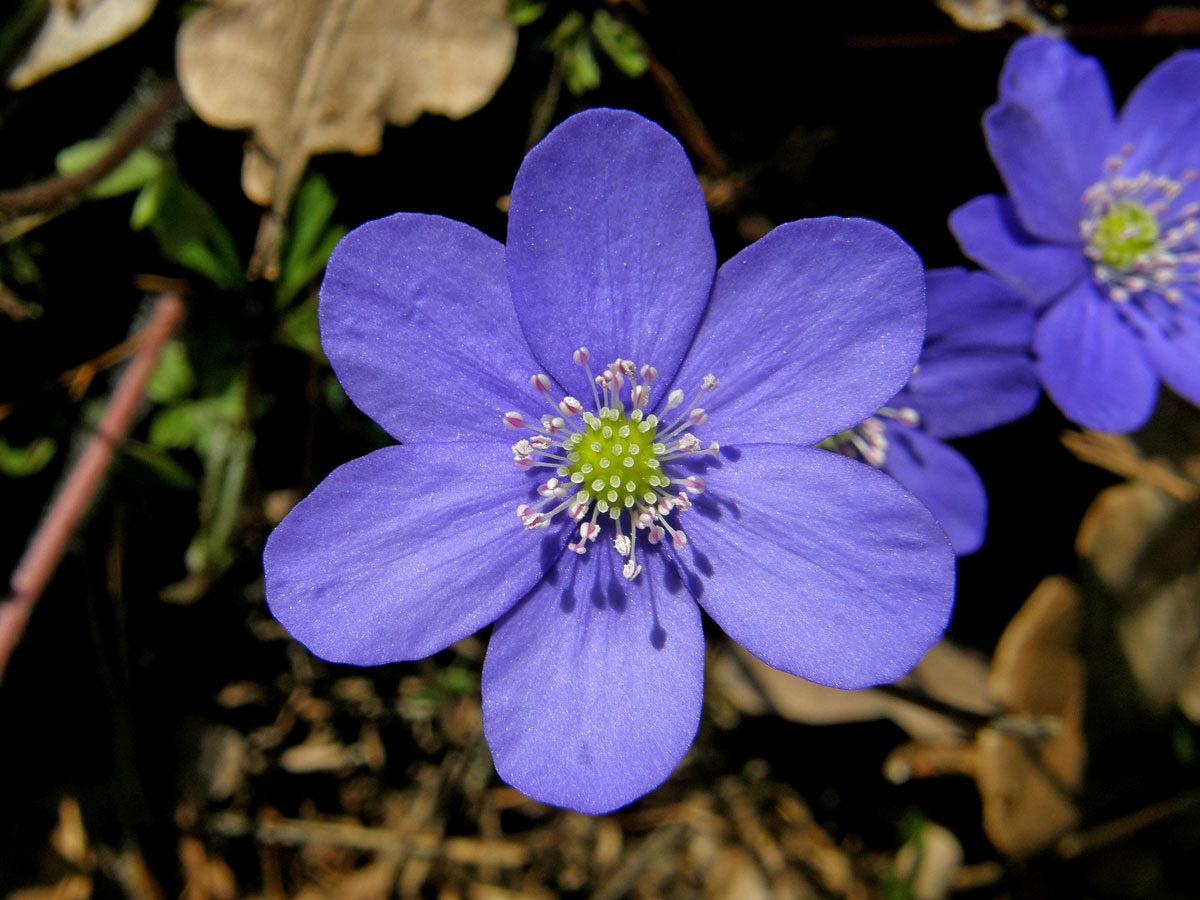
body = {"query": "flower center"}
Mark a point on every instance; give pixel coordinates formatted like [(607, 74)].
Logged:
[(610, 462), (1125, 234), (1138, 238), (616, 459), (868, 439)]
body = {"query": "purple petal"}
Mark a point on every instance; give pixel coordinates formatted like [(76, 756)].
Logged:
[(608, 246), (592, 685), (1092, 364), (942, 479), (417, 322), (1174, 350), (989, 233), (820, 565), (1161, 118), (402, 552), (1049, 132), (976, 371), (809, 330)]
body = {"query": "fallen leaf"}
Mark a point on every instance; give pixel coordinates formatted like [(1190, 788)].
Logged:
[(1117, 527), (947, 673), (1027, 783), (323, 76), (1140, 541), (72, 32), (929, 862), (988, 15)]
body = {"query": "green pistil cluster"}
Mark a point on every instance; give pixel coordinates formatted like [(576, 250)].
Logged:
[(1126, 233), (615, 459)]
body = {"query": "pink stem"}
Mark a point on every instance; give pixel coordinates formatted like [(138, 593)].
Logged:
[(49, 542)]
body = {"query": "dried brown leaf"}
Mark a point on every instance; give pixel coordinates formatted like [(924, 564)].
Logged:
[(72, 32), (988, 15), (1026, 784), (1117, 527), (323, 76), (947, 673), (929, 862)]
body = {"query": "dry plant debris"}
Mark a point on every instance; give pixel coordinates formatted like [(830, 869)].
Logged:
[(1027, 781), (323, 76), (73, 31)]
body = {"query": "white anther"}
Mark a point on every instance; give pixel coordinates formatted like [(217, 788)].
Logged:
[(683, 502), (579, 548), (581, 356), (656, 534), (589, 531), (522, 448), (698, 417), (514, 420), (641, 395), (648, 373), (709, 383), (570, 406), (679, 539), (540, 383), (535, 521), (644, 519), (665, 505), (577, 510), (674, 398), (621, 542), (626, 367), (688, 442), (524, 462), (631, 570)]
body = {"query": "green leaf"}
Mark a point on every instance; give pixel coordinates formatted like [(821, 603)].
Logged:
[(189, 233), (620, 42), (299, 328), (149, 201), (19, 462), (525, 12), (172, 378), (133, 172), (311, 211), (179, 426), (160, 463), (566, 31), (581, 72)]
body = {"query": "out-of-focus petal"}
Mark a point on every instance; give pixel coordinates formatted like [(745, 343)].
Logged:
[(608, 246), (1161, 119), (1174, 350), (1050, 132), (402, 552), (988, 231), (1092, 364), (809, 330), (592, 685), (820, 565), (417, 322), (942, 479), (976, 371)]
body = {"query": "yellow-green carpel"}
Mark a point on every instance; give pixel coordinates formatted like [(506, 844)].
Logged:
[(610, 462)]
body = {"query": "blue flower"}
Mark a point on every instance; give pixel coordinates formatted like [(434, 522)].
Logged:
[(1098, 227), (974, 373), (664, 416)]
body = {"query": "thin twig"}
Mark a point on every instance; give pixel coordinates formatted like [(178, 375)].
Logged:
[(55, 193), (49, 542), (1082, 842), (422, 843)]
